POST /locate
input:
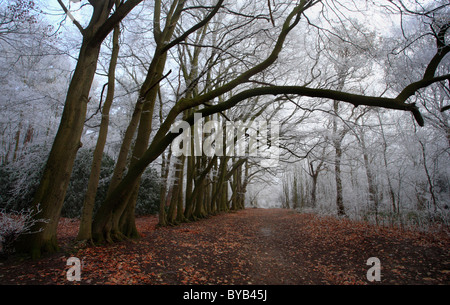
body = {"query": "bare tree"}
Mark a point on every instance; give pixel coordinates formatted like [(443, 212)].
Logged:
[(51, 192)]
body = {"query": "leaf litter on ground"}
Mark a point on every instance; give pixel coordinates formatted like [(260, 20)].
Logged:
[(252, 246)]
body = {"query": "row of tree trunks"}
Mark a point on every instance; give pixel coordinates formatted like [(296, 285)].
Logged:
[(210, 194), (116, 221)]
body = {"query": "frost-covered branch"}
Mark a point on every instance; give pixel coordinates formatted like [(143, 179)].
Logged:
[(14, 224), (75, 22)]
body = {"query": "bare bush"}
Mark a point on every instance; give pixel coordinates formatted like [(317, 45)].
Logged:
[(14, 224)]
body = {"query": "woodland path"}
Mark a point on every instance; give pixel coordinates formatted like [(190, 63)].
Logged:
[(253, 246)]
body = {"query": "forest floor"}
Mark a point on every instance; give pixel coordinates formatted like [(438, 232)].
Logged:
[(253, 246)]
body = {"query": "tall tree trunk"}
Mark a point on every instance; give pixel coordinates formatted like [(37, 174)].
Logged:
[(85, 230), (109, 215), (127, 222), (337, 141), (373, 192), (50, 194), (314, 174), (52, 189), (244, 185), (314, 189), (162, 217), (220, 184), (143, 137), (180, 199), (337, 171), (200, 189), (176, 191), (190, 175), (386, 167), (286, 193), (429, 178), (213, 187), (236, 188)]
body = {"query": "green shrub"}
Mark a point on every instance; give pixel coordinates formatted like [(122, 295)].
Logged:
[(148, 196), (149, 193), (73, 202), (19, 182)]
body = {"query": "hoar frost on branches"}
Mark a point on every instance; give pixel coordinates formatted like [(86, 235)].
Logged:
[(14, 224)]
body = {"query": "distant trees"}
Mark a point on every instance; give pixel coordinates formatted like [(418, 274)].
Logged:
[(31, 79), (387, 162)]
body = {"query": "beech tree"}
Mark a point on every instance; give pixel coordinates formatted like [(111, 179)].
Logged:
[(56, 176), (89, 200), (106, 222)]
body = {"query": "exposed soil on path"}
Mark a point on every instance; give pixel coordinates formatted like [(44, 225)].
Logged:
[(253, 246)]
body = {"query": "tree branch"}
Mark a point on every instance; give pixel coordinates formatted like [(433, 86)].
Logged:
[(270, 13), (120, 13), (442, 50), (193, 29), (412, 88), (445, 108), (69, 14), (293, 17), (354, 99), (156, 20)]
